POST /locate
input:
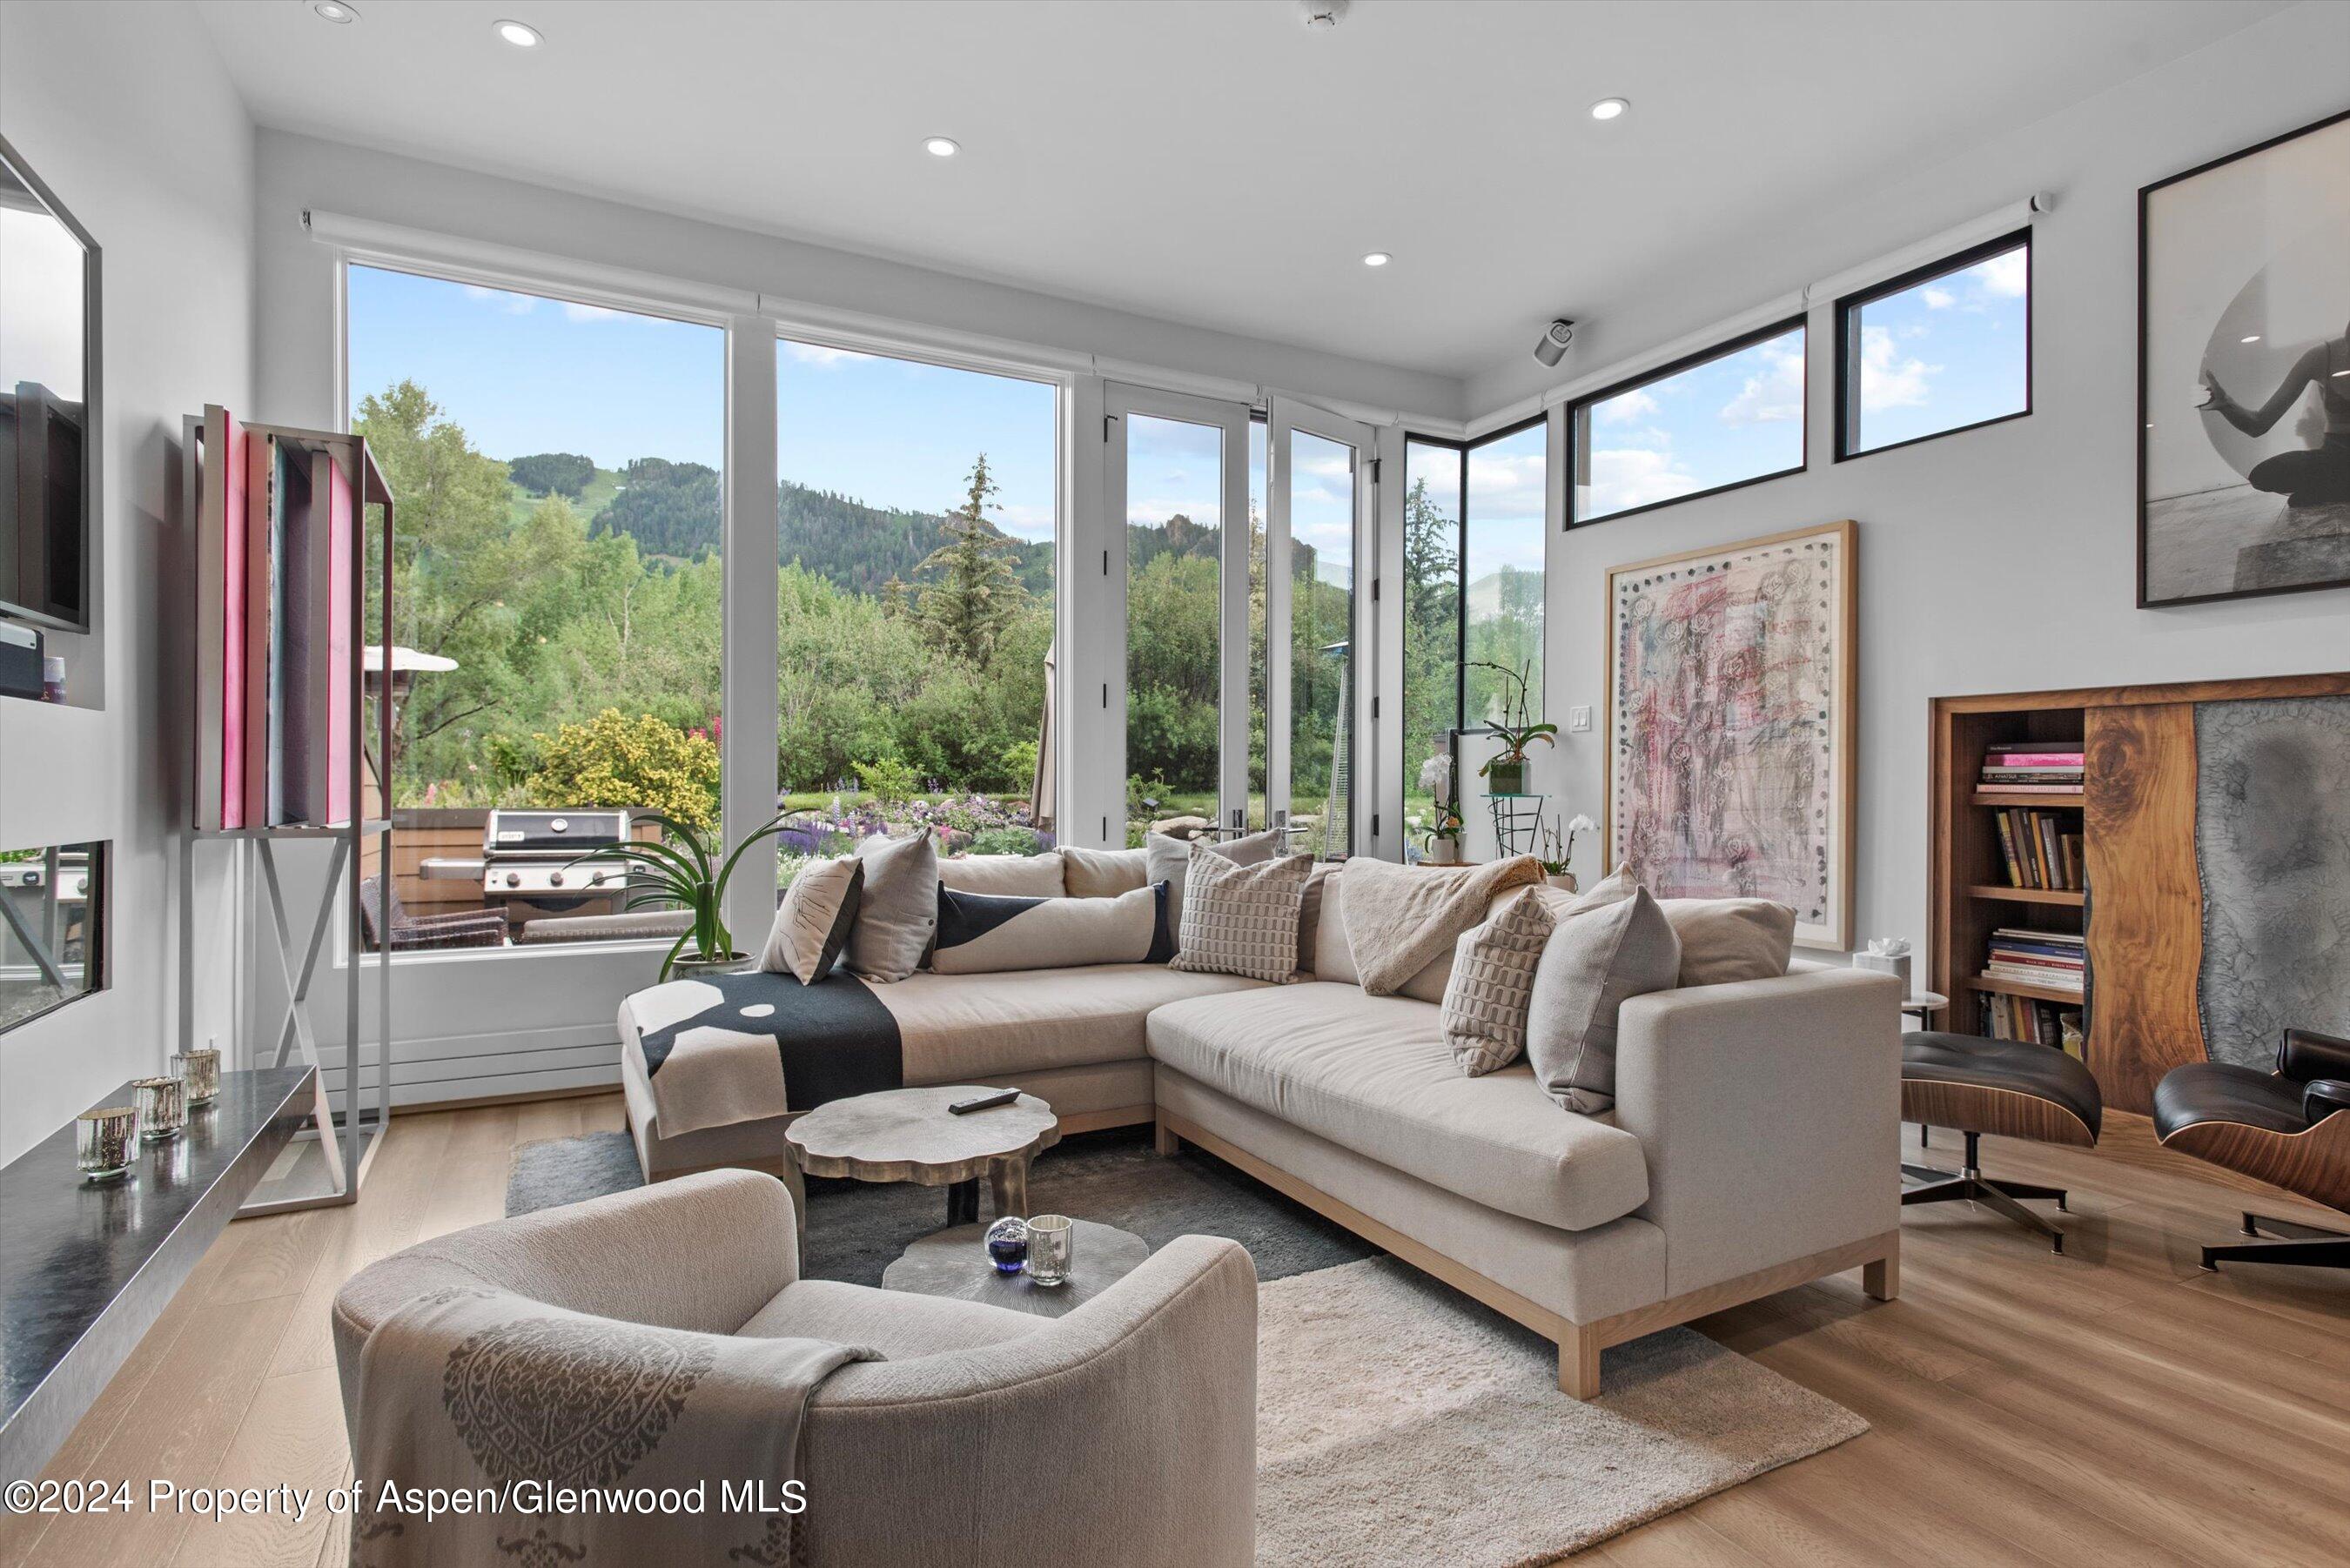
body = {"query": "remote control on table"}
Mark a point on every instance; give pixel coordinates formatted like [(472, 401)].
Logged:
[(983, 1101)]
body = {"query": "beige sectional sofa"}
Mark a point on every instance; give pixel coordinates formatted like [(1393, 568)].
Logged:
[(1751, 1147)]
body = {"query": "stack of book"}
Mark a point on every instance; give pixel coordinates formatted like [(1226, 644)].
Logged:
[(2055, 960), (2041, 1022), (2042, 849), (2032, 767)]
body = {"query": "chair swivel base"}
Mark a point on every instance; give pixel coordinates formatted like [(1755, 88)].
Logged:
[(2309, 1246), (1972, 1186)]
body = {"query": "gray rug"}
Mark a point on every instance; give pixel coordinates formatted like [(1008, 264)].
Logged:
[(1398, 1420)]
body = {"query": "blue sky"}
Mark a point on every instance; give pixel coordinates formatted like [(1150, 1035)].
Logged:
[(1947, 352), (523, 374)]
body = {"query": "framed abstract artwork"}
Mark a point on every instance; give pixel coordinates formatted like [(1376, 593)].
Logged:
[(2243, 433), (1730, 724)]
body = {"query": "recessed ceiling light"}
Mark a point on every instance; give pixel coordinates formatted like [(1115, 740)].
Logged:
[(2253, 338), (521, 35), (336, 11), (941, 146), (1377, 258), (1609, 108)]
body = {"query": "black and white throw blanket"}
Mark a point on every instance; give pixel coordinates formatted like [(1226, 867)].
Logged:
[(740, 1047)]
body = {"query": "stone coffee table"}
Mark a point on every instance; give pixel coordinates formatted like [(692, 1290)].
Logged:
[(907, 1135), (954, 1262)]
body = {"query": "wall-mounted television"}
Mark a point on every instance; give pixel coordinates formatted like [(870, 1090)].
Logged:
[(48, 403)]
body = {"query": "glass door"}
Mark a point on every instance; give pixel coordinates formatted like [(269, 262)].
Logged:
[(1315, 656), (1177, 472)]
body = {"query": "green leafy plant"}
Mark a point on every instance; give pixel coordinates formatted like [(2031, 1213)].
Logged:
[(683, 872), (1555, 852), (887, 780), (1515, 730), (615, 761)]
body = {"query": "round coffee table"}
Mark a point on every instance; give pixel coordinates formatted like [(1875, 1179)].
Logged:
[(907, 1135), (954, 1262)]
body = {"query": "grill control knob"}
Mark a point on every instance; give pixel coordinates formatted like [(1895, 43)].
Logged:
[(555, 878), (561, 825), (595, 878), (514, 878)]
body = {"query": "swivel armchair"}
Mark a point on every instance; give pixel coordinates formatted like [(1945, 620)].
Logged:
[(2290, 1128)]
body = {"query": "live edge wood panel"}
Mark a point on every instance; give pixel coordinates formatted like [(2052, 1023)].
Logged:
[(2143, 912)]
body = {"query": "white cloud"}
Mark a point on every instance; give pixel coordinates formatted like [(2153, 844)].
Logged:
[(1938, 298), (817, 354), (1024, 520), (1886, 379), (1506, 485), (512, 304), (572, 312), (2005, 276), (1775, 395), (1622, 478), (1633, 405)]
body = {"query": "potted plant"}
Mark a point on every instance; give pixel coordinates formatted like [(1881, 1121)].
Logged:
[(1440, 833), (676, 873), (1554, 852), (1504, 773)]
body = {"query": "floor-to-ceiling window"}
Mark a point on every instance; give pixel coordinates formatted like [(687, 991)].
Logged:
[(1322, 666), (1502, 573), (1174, 643), (1431, 629), (557, 562), (915, 524)]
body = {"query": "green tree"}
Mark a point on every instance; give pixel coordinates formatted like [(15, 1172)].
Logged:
[(978, 593), (564, 473), (615, 761)]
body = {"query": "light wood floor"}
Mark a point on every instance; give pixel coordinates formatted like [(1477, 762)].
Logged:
[(2112, 1406)]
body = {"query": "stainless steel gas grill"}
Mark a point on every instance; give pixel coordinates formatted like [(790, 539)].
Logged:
[(526, 865)]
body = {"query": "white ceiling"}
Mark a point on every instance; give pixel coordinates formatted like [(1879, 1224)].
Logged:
[(1211, 161)]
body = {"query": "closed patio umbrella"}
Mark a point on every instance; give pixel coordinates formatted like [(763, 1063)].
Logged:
[(1040, 789)]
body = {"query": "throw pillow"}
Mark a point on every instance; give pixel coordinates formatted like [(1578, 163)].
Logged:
[(1592, 964), (1242, 919), (1334, 960), (1008, 875), (1169, 860), (1400, 919), (1103, 873), (1726, 940), (1492, 976), (983, 933), (812, 925), (900, 907), (1309, 913)]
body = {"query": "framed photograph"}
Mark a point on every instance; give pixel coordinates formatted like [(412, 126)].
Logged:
[(2243, 433), (1730, 724)]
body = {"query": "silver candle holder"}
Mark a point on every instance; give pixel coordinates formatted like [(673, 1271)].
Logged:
[(201, 1068), (163, 1108), (104, 1141)]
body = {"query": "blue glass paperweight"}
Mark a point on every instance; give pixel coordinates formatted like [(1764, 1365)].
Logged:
[(1007, 1244)]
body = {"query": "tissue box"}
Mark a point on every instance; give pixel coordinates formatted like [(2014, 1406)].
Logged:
[(1888, 963)]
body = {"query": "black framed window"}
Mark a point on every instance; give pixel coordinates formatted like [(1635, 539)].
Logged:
[(1729, 415), (1942, 349)]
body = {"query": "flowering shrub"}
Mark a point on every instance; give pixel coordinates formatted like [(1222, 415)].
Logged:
[(962, 824), (612, 760)]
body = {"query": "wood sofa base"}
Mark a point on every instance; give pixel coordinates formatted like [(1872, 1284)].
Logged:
[(1579, 1344)]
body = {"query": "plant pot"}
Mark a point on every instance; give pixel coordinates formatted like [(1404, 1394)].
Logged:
[(1444, 851), (1562, 880), (1506, 777), (696, 968)]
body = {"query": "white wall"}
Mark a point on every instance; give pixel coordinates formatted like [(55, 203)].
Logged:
[(127, 113), (1994, 560)]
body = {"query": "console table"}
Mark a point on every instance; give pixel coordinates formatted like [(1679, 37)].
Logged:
[(85, 1267)]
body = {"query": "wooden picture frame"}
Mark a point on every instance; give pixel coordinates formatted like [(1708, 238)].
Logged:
[(2238, 263), (1811, 871)]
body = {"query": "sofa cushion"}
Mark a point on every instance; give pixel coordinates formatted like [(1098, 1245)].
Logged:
[(1242, 919), (1103, 873), (1168, 859), (1331, 959), (1005, 876), (971, 1028), (900, 907), (1493, 977), (981, 933), (813, 923), (1595, 961), (897, 1323), (1724, 940), (1372, 1073)]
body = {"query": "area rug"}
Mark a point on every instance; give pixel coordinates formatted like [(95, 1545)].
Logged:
[(1398, 1420)]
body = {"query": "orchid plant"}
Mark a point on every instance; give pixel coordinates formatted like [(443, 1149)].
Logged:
[(1556, 855), (1516, 729)]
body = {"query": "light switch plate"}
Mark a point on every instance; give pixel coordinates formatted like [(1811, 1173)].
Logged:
[(1579, 719)]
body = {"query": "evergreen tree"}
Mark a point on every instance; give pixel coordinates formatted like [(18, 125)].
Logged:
[(896, 600), (978, 594)]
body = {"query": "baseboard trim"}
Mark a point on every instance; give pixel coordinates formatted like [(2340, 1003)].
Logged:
[(1579, 1344)]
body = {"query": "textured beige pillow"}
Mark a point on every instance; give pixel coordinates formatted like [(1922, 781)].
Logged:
[(899, 907), (1493, 979), (1169, 860), (1726, 940), (813, 924), (1005, 875), (1309, 913), (1103, 873), (1594, 962), (1333, 959), (1241, 919)]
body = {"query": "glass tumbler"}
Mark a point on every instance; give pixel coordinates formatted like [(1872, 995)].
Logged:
[(202, 1071), (163, 1108), (104, 1141), (1052, 1243)]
